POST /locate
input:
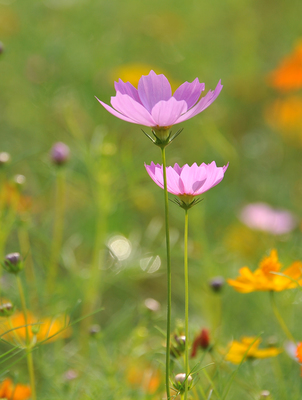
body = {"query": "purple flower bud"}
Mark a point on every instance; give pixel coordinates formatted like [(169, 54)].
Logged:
[(13, 263), (4, 157), (59, 153), (216, 283)]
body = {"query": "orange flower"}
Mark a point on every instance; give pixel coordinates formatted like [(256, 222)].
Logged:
[(288, 76), (47, 329), (10, 392), (299, 352), (144, 376), (265, 277), (286, 116), (11, 197), (247, 348)]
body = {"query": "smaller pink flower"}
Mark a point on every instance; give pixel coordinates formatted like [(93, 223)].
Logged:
[(187, 182), (265, 218)]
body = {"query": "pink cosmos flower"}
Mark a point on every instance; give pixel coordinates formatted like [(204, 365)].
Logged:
[(187, 182), (152, 103), (265, 218)]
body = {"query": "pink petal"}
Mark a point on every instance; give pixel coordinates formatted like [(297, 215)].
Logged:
[(202, 104), (152, 89), (115, 113), (130, 108), (155, 173), (127, 88), (165, 113), (173, 181), (189, 92), (214, 176), (194, 177)]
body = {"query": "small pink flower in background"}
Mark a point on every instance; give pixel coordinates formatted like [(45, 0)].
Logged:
[(265, 218), (187, 182), (152, 103)]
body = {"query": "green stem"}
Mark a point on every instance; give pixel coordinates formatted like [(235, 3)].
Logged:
[(169, 296), (280, 319), (30, 364), (186, 303), (57, 230), (30, 276)]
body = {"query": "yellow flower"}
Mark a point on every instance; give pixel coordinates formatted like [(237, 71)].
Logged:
[(10, 392), (47, 329), (133, 72), (247, 348), (266, 277)]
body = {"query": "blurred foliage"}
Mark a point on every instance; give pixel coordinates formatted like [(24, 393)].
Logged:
[(55, 56)]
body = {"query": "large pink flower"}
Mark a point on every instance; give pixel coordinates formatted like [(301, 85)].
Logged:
[(187, 182), (152, 103)]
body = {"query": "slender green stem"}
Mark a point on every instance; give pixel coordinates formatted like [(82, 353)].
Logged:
[(280, 319), (169, 296), (186, 303), (30, 364), (57, 229), (30, 276)]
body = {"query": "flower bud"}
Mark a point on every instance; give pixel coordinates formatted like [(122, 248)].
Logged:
[(1, 48), (202, 340), (7, 309), (180, 382), (59, 153), (152, 305), (70, 375), (4, 157), (19, 180), (94, 329), (265, 394), (13, 263), (177, 346), (35, 329), (217, 283)]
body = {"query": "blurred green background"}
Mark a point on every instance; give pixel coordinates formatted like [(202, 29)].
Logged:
[(57, 55)]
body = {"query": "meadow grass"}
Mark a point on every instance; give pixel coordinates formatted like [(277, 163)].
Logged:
[(93, 255)]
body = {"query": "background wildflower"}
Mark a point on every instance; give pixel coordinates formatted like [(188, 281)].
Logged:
[(288, 75), (44, 329), (265, 218), (202, 340), (247, 348), (9, 391), (266, 277)]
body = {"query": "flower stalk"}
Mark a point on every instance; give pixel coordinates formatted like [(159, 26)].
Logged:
[(57, 229), (186, 302), (280, 319), (169, 296)]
